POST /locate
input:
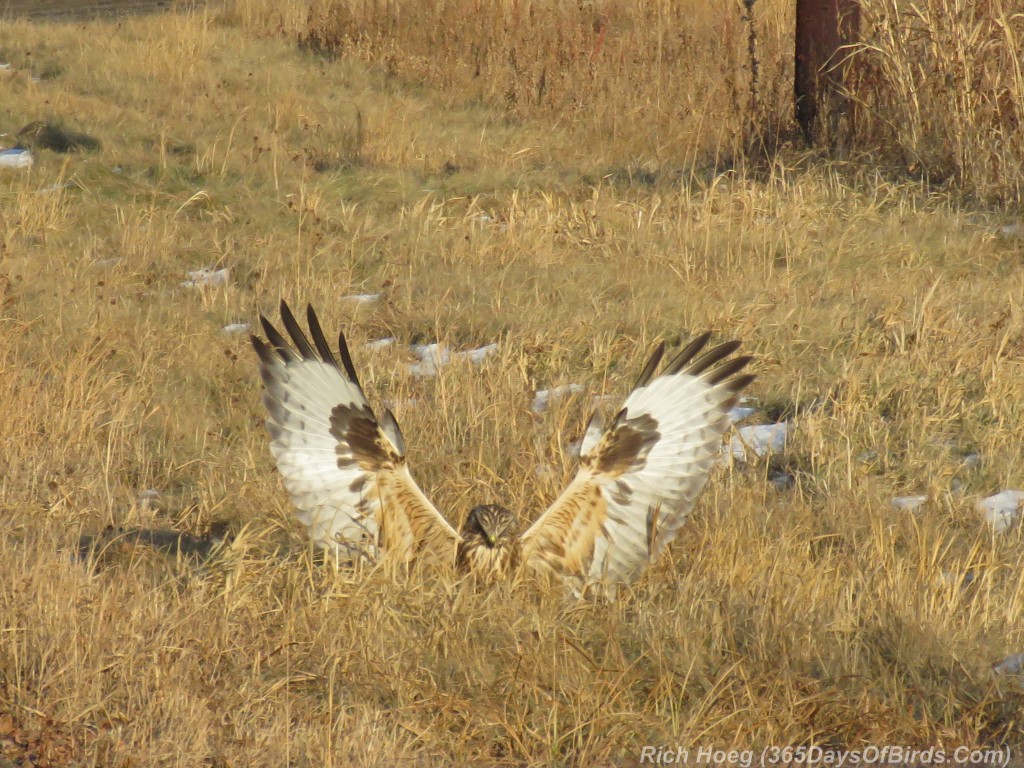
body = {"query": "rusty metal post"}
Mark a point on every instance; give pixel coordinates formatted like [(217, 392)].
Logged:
[(823, 27)]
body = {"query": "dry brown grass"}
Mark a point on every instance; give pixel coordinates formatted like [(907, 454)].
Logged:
[(816, 614), (937, 86), (940, 86)]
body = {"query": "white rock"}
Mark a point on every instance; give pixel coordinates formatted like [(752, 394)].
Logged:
[(759, 439), (1001, 510), (207, 277), (16, 158), (379, 344), (231, 328), (542, 397), (1011, 665), (909, 503)]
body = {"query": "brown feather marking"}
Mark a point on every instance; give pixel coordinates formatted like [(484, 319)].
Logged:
[(625, 446), (357, 431), (359, 484)]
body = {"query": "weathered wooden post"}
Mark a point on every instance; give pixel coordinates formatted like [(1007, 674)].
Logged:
[(823, 27)]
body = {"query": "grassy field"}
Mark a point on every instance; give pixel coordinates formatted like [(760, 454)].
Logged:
[(317, 156)]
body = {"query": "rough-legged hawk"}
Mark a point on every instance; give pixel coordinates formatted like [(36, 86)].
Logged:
[(639, 476)]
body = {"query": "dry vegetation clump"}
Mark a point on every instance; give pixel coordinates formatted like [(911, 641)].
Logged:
[(938, 87), (941, 85), (650, 76), (888, 321)]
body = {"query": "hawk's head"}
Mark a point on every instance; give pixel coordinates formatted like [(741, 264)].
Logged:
[(489, 540)]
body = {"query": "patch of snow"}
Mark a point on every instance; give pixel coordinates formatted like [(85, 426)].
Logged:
[(478, 355), (433, 351), (235, 328), (971, 460), (542, 397), (1001, 510), (759, 439), (362, 298), (379, 344), (909, 503), (149, 499), (434, 356), (740, 412), (16, 158), (399, 405), (948, 578), (867, 457), (1011, 665), (207, 277)]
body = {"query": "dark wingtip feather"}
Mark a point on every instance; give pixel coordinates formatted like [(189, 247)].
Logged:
[(262, 350), (686, 354), (295, 331), (645, 375), (728, 368), (711, 357), (735, 386), (741, 382), (276, 340), (317, 332), (346, 360)]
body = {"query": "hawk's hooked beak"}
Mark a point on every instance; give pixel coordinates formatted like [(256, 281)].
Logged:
[(490, 539)]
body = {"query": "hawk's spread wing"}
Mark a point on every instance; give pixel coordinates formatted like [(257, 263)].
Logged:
[(345, 471), (641, 476)]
